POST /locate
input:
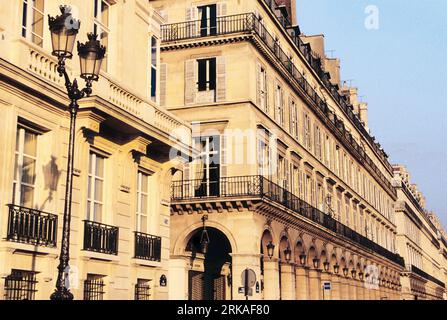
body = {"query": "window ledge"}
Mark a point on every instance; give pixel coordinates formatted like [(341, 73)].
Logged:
[(90, 255), (145, 263), (30, 249)]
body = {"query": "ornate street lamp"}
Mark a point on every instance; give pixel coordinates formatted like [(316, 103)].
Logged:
[(316, 263), (326, 266), (64, 29), (204, 238), (336, 268), (361, 276), (345, 272), (303, 259), (288, 254), (270, 249), (353, 273)]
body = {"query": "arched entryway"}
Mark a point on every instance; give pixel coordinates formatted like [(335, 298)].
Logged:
[(210, 274)]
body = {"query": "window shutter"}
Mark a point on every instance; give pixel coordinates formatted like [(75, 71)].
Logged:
[(163, 83), (267, 94), (221, 9), (291, 117), (191, 16), (190, 81), (221, 80), (258, 84), (223, 156)]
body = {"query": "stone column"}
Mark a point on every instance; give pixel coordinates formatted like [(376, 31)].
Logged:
[(315, 290), (178, 279), (352, 289), (336, 287), (301, 283), (344, 288), (271, 279), (287, 282), (360, 290)]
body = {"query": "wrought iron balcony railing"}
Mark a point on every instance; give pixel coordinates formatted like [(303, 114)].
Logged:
[(100, 237), (31, 226), (249, 23), (425, 275), (147, 247), (264, 189)]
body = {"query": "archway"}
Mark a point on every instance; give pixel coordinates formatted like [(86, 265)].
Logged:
[(210, 275)]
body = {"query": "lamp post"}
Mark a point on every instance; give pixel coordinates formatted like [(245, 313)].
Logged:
[(64, 29)]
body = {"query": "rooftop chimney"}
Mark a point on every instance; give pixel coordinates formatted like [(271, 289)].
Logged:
[(291, 9)]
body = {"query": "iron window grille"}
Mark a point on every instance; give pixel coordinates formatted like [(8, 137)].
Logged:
[(142, 290), (20, 285), (94, 287)]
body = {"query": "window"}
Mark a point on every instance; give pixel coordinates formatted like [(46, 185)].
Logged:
[(32, 21), (94, 287), (25, 168), (95, 188), (143, 289), (142, 202), (262, 87), (294, 127), (101, 25), (20, 285), (207, 74), (154, 62), (208, 20), (209, 172), (307, 138), (263, 158), (279, 105)]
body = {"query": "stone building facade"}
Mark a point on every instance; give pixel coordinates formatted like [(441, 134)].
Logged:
[(120, 239), (291, 185), (421, 240)]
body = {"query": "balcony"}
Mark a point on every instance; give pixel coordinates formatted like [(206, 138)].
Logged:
[(31, 226), (147, 247), (100, 238), (426, 276), (260, 188), (248, 23)]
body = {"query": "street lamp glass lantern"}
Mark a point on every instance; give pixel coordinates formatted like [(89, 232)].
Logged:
[(316, 263), (91, 55), (336, 268), (326, 266), (302, 259), (345, 271), (288, 254), (270, 249), (64, 29)]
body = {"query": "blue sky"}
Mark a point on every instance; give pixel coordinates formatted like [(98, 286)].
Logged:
[(401, 70)]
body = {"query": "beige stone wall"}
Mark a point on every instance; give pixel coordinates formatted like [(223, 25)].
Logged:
[(119, 122)]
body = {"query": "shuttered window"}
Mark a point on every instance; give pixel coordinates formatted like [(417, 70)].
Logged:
[(262, 88), (207, 74), (33, 21), (154, 63), (205, 80)]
